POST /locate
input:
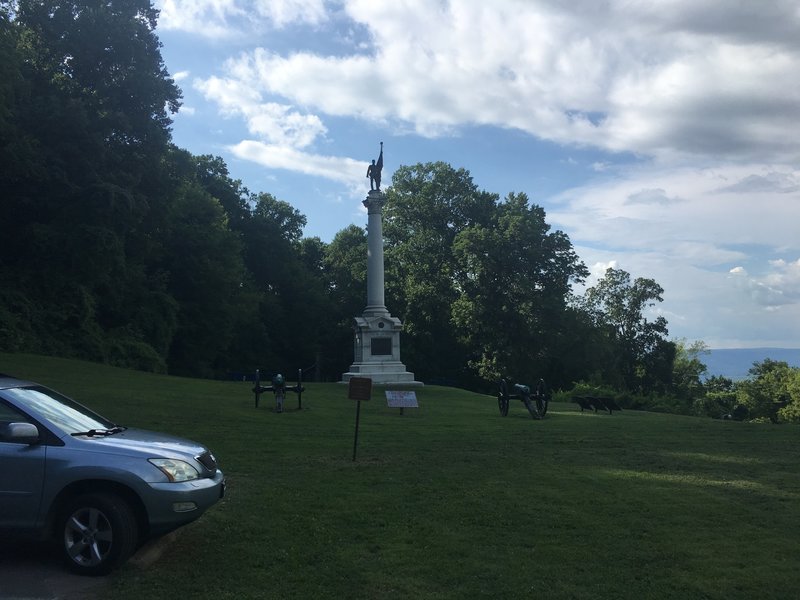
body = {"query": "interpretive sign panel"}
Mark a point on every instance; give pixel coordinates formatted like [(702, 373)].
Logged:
[(359, 388), (404, 399)]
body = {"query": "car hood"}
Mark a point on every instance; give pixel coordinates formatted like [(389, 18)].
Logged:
[(141, 442)]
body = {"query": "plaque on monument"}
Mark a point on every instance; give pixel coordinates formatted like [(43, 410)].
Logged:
[(381, 346)]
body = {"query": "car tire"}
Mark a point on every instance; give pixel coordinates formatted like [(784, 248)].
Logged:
[(98, 533)]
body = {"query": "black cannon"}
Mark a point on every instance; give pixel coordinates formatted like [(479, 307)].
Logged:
[(279, 388), (535, 401)]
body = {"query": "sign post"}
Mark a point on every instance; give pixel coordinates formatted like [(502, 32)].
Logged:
[(358, 389)]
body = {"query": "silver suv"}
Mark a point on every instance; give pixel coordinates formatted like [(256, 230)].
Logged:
[(98, 488)]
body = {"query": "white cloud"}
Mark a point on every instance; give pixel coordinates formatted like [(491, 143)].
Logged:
[(341, 87), (597, 271), (274, 123), (209, 18), (228, 18), (669, 82), (650, 196), (706, 215), (777, 288), (780, 286), (709, 250), (621, 76), (283, 12), (717, 307), (768, 182), (344, 170)]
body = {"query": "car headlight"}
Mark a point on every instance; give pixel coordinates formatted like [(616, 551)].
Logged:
[(175, 470)]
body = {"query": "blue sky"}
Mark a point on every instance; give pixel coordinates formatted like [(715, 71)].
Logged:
[(662, 137)]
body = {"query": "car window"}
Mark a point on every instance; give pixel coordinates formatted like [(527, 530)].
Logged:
[(8, 415), (68, 415), (11, 415)]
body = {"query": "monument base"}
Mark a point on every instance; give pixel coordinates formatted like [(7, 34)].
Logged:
[(382, 374), (377, 350)]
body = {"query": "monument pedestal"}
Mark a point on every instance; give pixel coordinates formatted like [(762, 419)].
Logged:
[(376, 349)]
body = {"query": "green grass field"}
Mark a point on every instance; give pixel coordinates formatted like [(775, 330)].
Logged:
[(453, 501)]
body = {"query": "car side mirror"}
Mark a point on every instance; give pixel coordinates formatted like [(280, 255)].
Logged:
[(22, 433)]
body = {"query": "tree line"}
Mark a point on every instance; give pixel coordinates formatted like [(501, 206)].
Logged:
[(119, 247)]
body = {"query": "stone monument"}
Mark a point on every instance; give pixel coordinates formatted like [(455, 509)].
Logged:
[(376, 346)]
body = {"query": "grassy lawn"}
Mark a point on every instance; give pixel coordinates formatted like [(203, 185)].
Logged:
[(453, 501)]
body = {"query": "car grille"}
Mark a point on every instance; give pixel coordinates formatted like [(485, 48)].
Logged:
[(208, 461)]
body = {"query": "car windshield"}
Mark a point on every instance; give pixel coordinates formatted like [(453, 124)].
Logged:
[(68, 415)]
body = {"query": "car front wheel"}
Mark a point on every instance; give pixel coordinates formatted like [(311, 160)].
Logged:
[(98, 533)]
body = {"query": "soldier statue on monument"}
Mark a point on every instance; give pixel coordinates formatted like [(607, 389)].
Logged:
[(374, 172)]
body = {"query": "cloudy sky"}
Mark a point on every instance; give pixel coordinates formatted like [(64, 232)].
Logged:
[(662, 136)]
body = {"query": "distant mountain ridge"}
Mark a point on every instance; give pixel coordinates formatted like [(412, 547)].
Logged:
[(734, 363)]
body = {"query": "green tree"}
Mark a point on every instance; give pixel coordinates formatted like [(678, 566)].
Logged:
[(688, 370), (428, 205), (719, 399), (345, 267), (619, 307), (11, 82), (288, 274), (203, 258), (514, 277), (122, 247), (107, 56), (84, 132), (791, 412), (583, 351), (249, 343), (212, 174), (481, 285), (769, 390)]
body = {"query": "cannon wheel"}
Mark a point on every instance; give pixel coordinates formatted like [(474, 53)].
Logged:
[(542, 399), (502, 398)]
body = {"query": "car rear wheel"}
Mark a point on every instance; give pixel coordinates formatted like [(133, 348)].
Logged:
[(98, 533)]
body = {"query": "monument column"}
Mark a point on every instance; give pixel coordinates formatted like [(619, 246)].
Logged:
[(375, 279), (376, 343)]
